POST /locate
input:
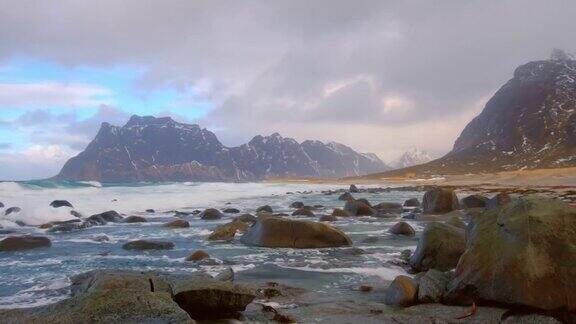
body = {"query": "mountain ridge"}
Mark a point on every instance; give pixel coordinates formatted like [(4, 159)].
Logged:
[(529, 123), (147, 148)]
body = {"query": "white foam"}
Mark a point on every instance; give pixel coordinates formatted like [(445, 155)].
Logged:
[(383, 273)]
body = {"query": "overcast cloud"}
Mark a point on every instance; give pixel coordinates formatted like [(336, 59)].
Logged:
[(378, 75)]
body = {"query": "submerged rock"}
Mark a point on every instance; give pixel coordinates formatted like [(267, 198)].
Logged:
[(439, 201), (179, 223), (246, 218), (150, 210), (211, 214), (105, 217), (328, 218), (61, 203), (403, 291), (148, 245), (340, 213), (388, 207), (25, 242), (297, 204), (412, 202), (226, 232), (274, 231), (134, 219), (359, 208), (521, 254), (439, 247), (11, 210), (303, 212), (402, 228), (198, 256), (265, 208), (346, 196), (231, 211)]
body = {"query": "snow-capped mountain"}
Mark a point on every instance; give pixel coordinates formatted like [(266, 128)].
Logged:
[(161, 149), (413, 156)]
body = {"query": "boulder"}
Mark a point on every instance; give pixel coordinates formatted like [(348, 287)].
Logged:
[(345, 196), (264, 208), (226, 232), (440, 247), (274, 231), (340, 213), (64, 227), (303, 212), (359, 208), (474, 201), (412, 202), (179, 223), (439, 201), (297, 204), (211, 214), (388, 208), (498, 200), (328, 218), (11, 210), (207, 298), (134, 219), (148, 245), (246, 218), (25, 242), (61, 203), (75, 214), (403, 291), (226, 275), (457, 222), (402, 228), (198, 256), (122, 296), (521, 254), (432, 286), (231, 211), (353, 189), (105, 217)]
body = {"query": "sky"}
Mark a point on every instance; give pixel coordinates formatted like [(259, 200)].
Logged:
[(380, 76)]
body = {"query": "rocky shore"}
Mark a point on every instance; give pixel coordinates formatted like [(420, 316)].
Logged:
[(505, 256)]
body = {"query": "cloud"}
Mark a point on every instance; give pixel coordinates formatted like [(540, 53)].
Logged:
[(5, 146), (51, 94), (377, 75), (37, 161)]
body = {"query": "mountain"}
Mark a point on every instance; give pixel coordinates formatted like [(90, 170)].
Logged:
[(413, 156), (161, 149), (529, 123)]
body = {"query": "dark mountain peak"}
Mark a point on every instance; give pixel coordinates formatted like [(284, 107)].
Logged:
[(529, 123), (161, 149), (136, 120), (552, 70)]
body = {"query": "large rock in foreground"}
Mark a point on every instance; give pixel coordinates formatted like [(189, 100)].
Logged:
[(439, 247), (439, 201), (521, 254), (122, 296), (25, 242), (273, 231)]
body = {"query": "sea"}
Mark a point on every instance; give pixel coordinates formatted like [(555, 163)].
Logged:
[(41, 276)]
